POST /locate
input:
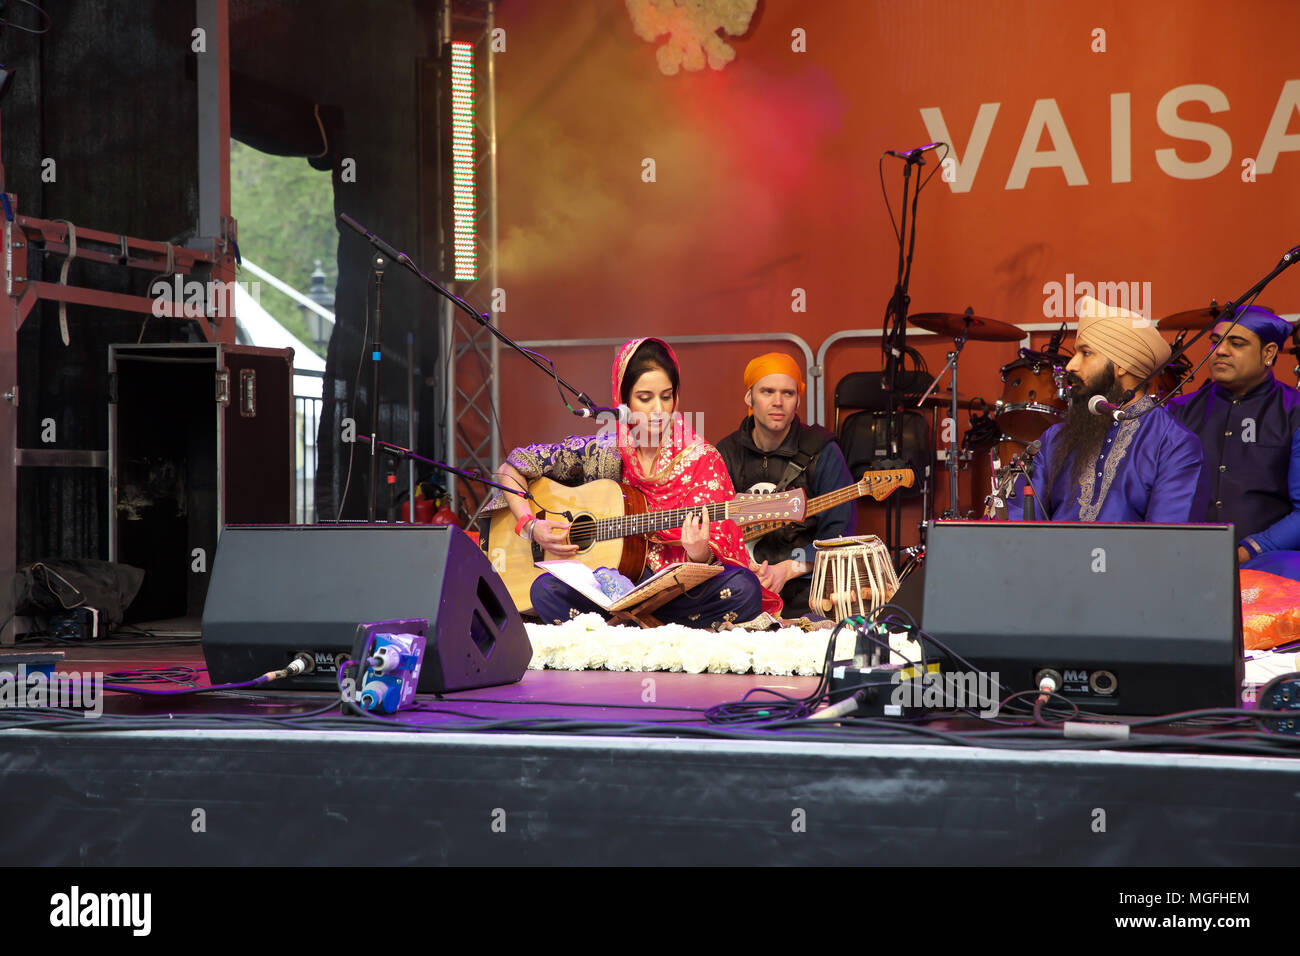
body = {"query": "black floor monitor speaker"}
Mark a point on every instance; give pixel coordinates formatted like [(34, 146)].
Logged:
[(279, 591), (1129, 618)]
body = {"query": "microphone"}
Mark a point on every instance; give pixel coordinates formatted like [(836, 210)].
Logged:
[(1053, 347), (913, 154), (1099, 406), (374, 240), (595, 411)]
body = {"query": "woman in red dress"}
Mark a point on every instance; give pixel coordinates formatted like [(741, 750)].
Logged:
[(659, 455)]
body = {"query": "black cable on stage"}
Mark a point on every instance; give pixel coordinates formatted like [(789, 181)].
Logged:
[(176, 674), (563, 703), (785, 707), (861, 730)]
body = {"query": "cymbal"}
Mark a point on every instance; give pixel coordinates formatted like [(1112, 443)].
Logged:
[(1192, 319), (944, 400), (953, 324)]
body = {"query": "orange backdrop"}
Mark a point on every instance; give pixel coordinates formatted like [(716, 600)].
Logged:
[(1142, 143)]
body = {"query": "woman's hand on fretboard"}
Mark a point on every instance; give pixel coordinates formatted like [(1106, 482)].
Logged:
[(695, 537)]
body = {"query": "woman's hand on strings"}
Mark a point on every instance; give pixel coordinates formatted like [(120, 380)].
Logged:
[(695, 537), (553, 538)]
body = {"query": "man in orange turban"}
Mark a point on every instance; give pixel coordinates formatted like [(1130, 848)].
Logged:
[(773, 450), (1144, 468)]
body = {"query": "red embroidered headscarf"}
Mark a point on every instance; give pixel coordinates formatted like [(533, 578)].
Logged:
[(687, 471)]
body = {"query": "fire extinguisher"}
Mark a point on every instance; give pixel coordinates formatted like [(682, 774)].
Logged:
[(444, 514), (424, 507), (432, 506)]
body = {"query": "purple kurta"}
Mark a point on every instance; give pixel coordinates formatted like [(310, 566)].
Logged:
[(1148, 470)]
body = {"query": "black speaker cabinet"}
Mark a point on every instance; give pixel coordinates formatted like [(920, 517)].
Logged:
[(200, 436), (1131, 618), (279, 591)]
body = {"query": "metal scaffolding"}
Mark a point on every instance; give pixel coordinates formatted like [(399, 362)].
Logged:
[(209, 258), (472, 388)]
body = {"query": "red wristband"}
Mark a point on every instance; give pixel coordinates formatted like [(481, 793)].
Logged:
[(519, 525)]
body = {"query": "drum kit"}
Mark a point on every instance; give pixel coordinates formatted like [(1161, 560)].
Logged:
[(1035, 394)]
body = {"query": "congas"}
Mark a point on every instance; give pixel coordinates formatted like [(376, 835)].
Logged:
[(851, 576), (1034, 395)]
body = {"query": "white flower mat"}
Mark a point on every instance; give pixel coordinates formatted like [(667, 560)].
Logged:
[(589, 643)]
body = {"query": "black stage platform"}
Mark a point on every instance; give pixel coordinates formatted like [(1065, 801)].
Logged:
[(236, 779)]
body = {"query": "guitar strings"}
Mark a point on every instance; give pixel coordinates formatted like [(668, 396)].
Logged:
[(650, 521)]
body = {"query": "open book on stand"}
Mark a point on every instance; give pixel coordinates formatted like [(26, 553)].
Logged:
[(653, 592)]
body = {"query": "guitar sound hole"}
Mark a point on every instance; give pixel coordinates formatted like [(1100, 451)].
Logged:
[(582, 532)]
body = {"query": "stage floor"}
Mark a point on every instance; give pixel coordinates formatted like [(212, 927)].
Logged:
[(586, 768)]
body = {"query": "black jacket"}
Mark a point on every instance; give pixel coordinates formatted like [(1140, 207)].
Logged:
[(748, 466)]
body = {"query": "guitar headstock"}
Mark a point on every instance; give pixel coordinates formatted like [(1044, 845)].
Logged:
[(879, 482), (780, 506)]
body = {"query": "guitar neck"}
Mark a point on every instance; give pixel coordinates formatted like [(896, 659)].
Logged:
[(849, 492), (652, 521), (833, 498)]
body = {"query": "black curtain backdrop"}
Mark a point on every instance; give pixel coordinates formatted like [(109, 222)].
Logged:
[(109, 94), (359, 62), (104, 95)]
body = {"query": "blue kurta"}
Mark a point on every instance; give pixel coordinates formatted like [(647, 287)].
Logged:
[(1148, 470), (1252, 460)]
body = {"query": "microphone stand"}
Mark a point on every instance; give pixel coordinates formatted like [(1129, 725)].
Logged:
[(378, 262), (953, 453), (383, 253), (406, 454), (1290, 258), (1031, 499), (894, 342), (1024, 464), (402, 259)]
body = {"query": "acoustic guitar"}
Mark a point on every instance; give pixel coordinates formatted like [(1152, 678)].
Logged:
[(876, 484), (608, 521)]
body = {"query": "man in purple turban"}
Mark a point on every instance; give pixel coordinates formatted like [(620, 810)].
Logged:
[(1249, 426)]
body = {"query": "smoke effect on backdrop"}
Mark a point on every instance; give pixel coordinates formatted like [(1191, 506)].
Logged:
[(1104, 142)]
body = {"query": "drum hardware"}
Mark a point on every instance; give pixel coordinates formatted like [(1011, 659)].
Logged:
[(960, 328), (1167, 382), (913, 559), (995, 505), (968, 325), (944, 399), (1193, 318)]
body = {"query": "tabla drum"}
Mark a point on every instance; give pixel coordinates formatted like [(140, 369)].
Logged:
[(851, 576), (1034, 395)]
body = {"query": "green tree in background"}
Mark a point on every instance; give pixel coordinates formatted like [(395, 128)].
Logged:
[(285, 211)]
